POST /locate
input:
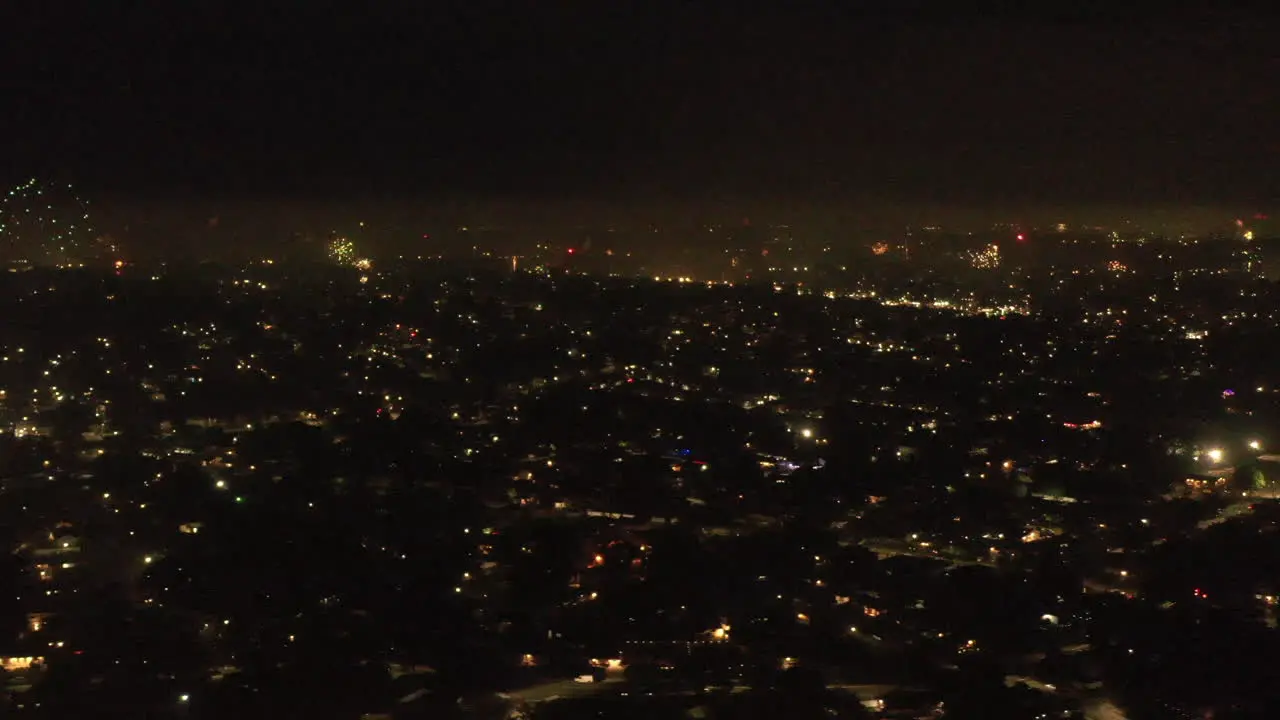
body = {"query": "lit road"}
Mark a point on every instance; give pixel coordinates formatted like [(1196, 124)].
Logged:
[(864, 692), (1094, 709), (559, 689), (569, 689), (886, 550), (1233, 510)]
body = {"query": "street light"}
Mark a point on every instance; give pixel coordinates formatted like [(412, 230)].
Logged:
[(1215, 455)]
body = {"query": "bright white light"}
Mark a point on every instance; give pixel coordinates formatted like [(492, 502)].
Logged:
[(1255, 445), (806, 433), (1215, 455)]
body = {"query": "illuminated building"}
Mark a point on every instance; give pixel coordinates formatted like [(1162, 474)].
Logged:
[(12, 664)]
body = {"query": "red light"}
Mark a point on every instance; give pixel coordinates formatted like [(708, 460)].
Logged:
[(570, 251), (1021, 237)]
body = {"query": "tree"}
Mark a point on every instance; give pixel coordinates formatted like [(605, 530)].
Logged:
[(12, 618)]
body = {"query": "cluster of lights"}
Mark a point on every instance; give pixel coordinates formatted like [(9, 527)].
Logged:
[(880, 248), (987, 258), (44, 224), (1117, 266), (1217, 456)]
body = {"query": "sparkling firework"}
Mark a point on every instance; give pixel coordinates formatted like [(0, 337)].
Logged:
[(45, 225), (987, 258), (342, 251)]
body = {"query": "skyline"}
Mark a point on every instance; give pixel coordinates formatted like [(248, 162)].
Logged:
[(488, 112), (210, 228)]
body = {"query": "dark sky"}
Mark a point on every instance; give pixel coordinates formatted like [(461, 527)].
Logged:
[(641, 101)]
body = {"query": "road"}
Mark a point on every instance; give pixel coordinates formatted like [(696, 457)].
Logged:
[(1233, 510), (885, 550), (561, 689), (1094, 709)]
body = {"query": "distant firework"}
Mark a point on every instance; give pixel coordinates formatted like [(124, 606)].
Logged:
[(879, 248), (342, 251), (45, 225), (986, 259)]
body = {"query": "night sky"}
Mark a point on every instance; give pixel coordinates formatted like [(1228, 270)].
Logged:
[(634, 102)]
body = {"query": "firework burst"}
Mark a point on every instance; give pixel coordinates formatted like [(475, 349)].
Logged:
[(44, 224), (342, 251)]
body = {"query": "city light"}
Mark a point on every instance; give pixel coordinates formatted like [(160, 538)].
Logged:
[(846, 456)]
